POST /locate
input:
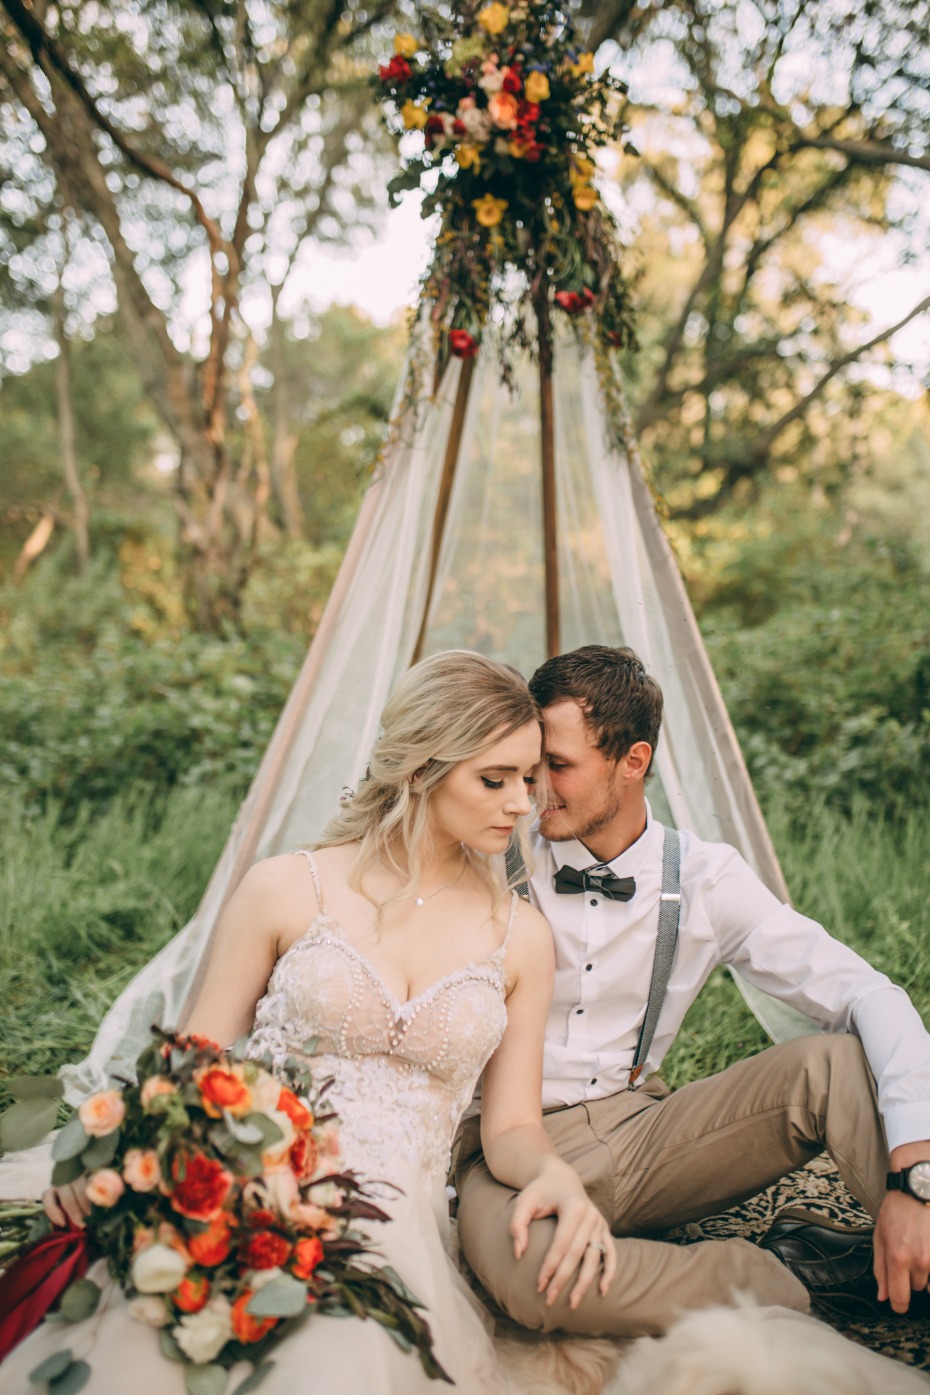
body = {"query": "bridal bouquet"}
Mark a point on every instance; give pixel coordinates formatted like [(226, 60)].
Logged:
[(218, 1203), (503, 111)]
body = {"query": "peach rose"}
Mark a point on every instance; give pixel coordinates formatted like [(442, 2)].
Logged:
[(504, 110), (104, 1188), (102, 1113), (156, 1085), (141, 1169)]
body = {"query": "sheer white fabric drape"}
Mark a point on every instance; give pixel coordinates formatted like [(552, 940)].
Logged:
[(619, 585)]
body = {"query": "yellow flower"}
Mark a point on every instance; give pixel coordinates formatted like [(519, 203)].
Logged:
[(583, 64), (468, 156), (580, 171), (405, 44), (537, 87), (494, 18), (517, 148), (415, 117), (585, 196), (489, 210)]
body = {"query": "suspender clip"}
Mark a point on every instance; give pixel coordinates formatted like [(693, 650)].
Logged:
[(671, 896)]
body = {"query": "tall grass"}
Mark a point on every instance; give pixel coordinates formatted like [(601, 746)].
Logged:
[(85, 902), (863, 878)]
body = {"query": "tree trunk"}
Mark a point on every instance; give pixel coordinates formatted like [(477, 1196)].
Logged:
[(65, 403), (284, 437)]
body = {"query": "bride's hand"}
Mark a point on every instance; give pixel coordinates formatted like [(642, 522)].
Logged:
[(582, 1245), (67, 1203)]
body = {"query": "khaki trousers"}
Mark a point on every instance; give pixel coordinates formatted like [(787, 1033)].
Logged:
[(650, 1159)]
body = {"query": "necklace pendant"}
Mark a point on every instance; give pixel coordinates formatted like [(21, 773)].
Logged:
[(418, 900)]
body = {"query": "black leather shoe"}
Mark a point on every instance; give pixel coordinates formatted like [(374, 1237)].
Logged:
[(832, 1262)]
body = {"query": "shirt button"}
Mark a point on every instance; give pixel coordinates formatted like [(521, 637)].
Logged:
[(578, 1011), (593, 901), (594, 1081), (589, 967)]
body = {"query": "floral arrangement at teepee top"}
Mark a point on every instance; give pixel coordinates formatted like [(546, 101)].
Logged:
[(510, 111)]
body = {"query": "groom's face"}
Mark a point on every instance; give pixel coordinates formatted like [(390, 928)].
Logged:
[(585, 788)]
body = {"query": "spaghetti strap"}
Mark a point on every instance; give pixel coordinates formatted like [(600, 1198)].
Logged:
[(511, 920), (315, 874)]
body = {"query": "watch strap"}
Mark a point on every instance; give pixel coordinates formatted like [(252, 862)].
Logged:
[(896, 1181)]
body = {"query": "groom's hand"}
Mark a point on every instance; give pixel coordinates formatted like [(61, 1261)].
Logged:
[(902, 1237)]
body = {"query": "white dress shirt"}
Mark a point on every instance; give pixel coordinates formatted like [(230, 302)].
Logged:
[(604, 954)]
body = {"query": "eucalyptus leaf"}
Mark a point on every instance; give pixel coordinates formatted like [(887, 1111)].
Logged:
[(35, 1087), (71, 1141), (51, 1367), (254, 1379), (205, 1380), (169, 1347), (268, 1131), (399, 1287), (284, 1297), (80, 1300), (243, 1131), (100, 1152), (26, 1123), (71, 1380), (67, 1171)]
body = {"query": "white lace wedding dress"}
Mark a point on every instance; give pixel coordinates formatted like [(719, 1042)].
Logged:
[(402, 1075)]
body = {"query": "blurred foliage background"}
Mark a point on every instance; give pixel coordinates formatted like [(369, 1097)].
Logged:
[(185, 437)]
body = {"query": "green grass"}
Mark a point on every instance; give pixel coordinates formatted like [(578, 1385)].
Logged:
[(86, 902)]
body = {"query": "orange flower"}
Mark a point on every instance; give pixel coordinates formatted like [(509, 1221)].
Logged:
[(303, 1155), (192, 1293), (220, 1089), (307, 1255), (504, 109), (201, 1187), (245, 1326), (212, 1245), (264, 1249), (298, 1113), (100, 1114)]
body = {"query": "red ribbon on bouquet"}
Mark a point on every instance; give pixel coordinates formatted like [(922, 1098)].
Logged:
[(31, 1287)]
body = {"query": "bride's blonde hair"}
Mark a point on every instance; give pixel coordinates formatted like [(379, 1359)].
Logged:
[(446, 709)]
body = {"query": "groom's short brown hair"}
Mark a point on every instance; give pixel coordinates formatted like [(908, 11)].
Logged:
[(621, 703)]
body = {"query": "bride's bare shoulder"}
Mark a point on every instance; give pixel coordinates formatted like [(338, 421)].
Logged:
[(287, 878)]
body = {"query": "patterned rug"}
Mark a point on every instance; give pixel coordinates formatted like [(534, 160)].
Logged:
[(819, 1186)]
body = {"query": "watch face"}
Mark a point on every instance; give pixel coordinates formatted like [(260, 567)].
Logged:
[(918, 1180)]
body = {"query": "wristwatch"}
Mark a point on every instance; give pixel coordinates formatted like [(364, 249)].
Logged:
[(915, 1180)]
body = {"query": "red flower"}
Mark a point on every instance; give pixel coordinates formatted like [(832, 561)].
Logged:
[(298, 1113), (201, 1187), (307, 1255), (212, 1245), (513, 82), (462, 343), (397, 71), (529, 113), (574, 301), (246, 1327), (264, 1250), (192, 1293), (303, 1157)]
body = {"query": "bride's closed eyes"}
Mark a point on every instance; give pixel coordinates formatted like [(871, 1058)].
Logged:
[(528, 780)]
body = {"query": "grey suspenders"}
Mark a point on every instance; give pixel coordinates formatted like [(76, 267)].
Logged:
[(666, 937)]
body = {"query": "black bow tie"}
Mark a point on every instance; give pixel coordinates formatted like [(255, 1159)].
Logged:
[(569, 882)]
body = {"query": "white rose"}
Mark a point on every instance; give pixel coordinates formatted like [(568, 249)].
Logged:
[(281, 1190), (150, 1309), (477, 124), (325, 1194), (201, 1336), (492, 81), (266, 1091), (158, 1269)]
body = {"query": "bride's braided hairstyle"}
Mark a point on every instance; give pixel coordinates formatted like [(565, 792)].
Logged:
[(446, 709)]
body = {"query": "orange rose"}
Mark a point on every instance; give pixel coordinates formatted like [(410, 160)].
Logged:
[(102, 1113), (141, 1169), (307, 1255), (212, 1245), (245, 1326), (298, 1113), (192, 1293), (221, 1089), (504, 110)]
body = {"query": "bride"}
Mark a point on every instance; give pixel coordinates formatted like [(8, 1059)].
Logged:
[(396, 949)]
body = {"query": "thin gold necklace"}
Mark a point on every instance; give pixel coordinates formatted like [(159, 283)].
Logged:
[(422, 900)]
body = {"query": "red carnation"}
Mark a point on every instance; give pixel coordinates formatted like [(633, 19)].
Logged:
[(462, 343), (574, 301), (307, 1255), (264, 1250), (513, 82), (397, 71), (201, 1187), (246, 1327)]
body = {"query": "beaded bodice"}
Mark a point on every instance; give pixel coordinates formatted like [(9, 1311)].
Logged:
[(402, 1072)]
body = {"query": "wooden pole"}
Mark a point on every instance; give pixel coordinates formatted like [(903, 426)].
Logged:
[(450, 461), (547, 448)]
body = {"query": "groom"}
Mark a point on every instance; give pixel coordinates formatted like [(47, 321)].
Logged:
[(651, 1159)]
